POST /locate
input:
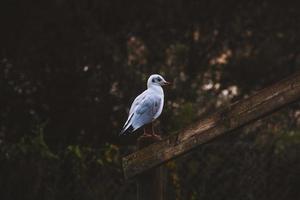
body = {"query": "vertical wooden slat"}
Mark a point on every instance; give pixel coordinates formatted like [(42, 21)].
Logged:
[(150, 184)]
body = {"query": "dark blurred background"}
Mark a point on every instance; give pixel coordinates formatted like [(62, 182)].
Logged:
[(69, 70)]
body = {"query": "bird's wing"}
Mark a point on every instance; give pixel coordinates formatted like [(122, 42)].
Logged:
[(133, 107), (137, 101), (146, 110)]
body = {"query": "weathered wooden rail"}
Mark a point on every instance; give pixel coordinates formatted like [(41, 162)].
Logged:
[(223, 121)]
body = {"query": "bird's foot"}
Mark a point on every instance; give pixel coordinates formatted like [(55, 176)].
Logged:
[(156, 136), (151, 135), (147, 135)]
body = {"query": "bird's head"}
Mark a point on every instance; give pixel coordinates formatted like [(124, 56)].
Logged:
[(156, 79)]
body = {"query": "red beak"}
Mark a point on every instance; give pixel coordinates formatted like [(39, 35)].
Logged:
[(167, 83)]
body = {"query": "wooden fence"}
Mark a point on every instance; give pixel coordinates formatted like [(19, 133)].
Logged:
[(147, 163)]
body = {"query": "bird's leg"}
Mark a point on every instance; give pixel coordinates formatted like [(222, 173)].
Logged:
[(148, 137), (151, 127), (148, 129)]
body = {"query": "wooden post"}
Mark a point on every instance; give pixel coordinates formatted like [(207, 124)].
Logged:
[(220, 123), (151, 183)]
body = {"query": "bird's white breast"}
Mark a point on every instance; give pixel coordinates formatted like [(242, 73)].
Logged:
[(158, 93)]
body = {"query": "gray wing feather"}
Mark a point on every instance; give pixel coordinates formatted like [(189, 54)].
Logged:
[(133, 107), (137, 101), (145, 112)]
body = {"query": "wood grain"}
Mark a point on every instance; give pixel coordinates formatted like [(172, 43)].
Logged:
[(223, 121), (151, 184)]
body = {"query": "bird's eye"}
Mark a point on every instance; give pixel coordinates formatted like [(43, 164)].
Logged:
[(158, 79), (153, 80)]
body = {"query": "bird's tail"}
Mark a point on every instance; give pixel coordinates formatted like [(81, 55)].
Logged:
[(127, 130)]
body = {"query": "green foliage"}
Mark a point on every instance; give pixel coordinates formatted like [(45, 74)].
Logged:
[(30, 170)]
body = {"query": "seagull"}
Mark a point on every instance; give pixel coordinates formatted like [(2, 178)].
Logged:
[(146, 107)]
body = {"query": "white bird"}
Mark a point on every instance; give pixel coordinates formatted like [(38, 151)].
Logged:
[(146, 107)]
